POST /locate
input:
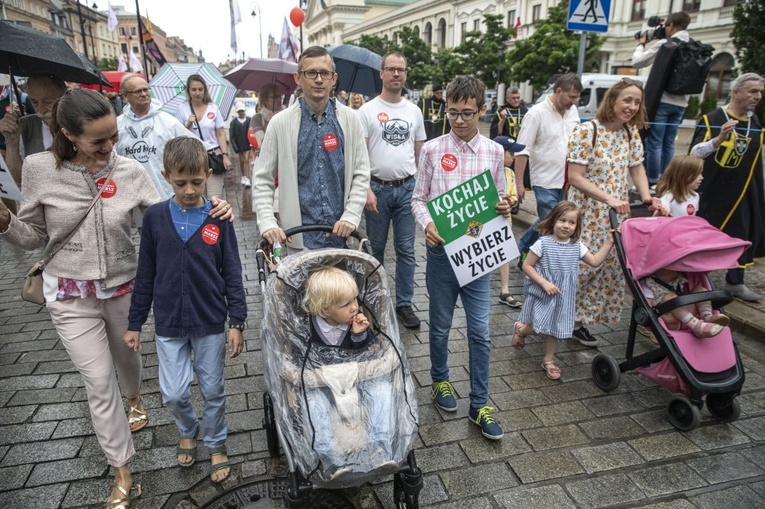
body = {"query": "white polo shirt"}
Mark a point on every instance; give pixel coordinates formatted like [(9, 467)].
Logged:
[(545, 133)]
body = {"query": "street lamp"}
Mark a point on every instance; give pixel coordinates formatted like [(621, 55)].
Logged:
[(256, 12), (82, 31)]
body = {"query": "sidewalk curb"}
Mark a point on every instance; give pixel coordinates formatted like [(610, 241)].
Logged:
[(743, 318)]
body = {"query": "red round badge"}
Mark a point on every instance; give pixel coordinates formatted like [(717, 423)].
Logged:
[(210, 234), (330, 142), (382, 117), (111, 187), (690, 209), (210, 115), (449, 162)]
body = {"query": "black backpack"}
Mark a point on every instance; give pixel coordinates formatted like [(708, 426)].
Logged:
[(690, 67)]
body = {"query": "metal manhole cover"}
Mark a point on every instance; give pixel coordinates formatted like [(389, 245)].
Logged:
[(268, 495)]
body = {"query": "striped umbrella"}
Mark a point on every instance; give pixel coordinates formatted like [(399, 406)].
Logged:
[(169, 86)]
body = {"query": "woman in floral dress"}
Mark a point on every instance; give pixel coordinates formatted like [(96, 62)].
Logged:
[(601, 155)]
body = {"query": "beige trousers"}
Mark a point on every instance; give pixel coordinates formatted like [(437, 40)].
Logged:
[(215, 186), (91, 330)]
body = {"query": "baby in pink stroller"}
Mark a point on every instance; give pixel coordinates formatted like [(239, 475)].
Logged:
[(664, 285)]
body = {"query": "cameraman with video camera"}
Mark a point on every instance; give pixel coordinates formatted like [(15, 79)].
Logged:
[(660, 141)]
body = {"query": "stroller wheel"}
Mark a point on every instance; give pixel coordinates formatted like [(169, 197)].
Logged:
[(269, 424), (406, 490), (683, 414), (723, 407), (605, 372)]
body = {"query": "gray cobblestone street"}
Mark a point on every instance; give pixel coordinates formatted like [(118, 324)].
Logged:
[(566, 443)]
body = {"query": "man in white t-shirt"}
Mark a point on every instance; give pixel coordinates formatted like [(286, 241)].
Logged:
[(394, 131)]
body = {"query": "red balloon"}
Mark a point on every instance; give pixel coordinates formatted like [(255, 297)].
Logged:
[(297, 16), (252, 138)]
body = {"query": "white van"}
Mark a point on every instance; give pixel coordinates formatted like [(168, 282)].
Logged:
[(595, 86)]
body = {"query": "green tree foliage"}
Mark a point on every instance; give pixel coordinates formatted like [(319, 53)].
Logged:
[(374, 43), (107, 64), (550, 50), (419, 57), (483, 53), (749, 39), (446, 65)]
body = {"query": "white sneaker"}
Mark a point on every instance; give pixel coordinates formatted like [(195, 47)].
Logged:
[(246, 182)]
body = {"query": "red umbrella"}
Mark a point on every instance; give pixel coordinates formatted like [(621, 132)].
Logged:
[(115, 78)]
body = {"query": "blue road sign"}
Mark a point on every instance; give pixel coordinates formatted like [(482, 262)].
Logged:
[(588, 15)]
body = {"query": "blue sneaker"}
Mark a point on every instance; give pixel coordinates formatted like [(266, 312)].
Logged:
[(489, 427), (443, 394)]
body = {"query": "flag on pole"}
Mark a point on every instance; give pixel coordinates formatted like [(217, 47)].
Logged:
[(135, 64), (236, 18), (122, 66), (288, 46), (111, 19), (516, 27)]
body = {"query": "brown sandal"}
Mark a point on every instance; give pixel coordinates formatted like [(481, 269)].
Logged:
[(519, 340), (122, 502), (140, 421), (553, 371)]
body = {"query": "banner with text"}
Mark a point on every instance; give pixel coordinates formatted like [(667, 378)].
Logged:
[(476, 239)]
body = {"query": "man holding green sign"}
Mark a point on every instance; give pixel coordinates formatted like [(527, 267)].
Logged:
[(455, 201)]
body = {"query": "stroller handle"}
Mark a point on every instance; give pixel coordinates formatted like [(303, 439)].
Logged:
[(614, 217), (304, 228), (260, 256)]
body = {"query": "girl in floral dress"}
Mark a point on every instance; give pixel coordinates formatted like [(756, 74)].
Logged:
[(602, 153)]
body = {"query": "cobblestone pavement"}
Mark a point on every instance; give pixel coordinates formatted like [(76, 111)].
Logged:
[(566, 444)]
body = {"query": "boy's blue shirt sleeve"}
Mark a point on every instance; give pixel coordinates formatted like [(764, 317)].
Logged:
[(143, 292), (232, 275)]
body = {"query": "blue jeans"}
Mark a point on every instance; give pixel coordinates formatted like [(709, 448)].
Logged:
[(394, 204), (175, 376), (660, 142), (546, 200), (443, 289)]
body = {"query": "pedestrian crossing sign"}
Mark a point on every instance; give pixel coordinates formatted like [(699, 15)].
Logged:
[(588, 15)]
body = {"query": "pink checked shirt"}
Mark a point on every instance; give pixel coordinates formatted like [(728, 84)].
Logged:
[(446, 162)]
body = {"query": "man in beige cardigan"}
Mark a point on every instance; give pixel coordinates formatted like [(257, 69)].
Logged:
[(322, 179)]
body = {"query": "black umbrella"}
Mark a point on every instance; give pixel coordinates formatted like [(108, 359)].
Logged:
[(358, 69), (25, 51)]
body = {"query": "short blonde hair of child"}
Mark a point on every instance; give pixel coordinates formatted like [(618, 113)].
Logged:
[(326, 288), (563, 207), (680, 173)]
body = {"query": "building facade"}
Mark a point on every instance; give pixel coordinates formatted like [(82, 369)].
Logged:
[(444, 23)]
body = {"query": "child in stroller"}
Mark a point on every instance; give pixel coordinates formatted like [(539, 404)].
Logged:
[(664, 285), (331, 300)]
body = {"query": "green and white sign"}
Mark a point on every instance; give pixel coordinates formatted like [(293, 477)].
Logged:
[(476, 239)]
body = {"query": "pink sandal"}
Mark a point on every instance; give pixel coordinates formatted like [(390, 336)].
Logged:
[(553, 371), (519, 341)]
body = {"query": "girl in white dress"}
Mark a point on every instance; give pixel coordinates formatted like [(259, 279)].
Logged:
[(551, 268), (678, 185)]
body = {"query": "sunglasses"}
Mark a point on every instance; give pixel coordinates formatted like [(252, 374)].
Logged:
[(634, 83)]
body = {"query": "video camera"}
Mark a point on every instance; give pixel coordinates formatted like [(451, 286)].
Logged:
[(656, 29)]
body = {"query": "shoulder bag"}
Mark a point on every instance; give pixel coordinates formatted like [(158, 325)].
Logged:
[(214, 155), (33, 282)]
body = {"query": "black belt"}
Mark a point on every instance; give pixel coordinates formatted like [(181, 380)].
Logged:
[(393, 183)]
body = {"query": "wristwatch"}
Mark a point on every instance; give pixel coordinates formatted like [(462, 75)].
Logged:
[(239, 326)]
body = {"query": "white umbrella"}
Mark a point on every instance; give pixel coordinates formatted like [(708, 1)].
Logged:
[(169, 86)]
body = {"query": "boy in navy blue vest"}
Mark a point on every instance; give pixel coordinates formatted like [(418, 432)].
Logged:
[(189, 267)]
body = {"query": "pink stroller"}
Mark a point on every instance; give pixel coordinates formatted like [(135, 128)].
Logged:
[(696, 370)]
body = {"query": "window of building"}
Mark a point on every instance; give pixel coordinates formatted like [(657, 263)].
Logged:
[(135, 48), (442, 33), (122, 31), (638, 10), (728, 3), (427, 35), (123, 48), (720, 76), (464, 31), (536, 13), (691, 5), (416, 30), (510, 19), (476, 25), (133, 31)]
